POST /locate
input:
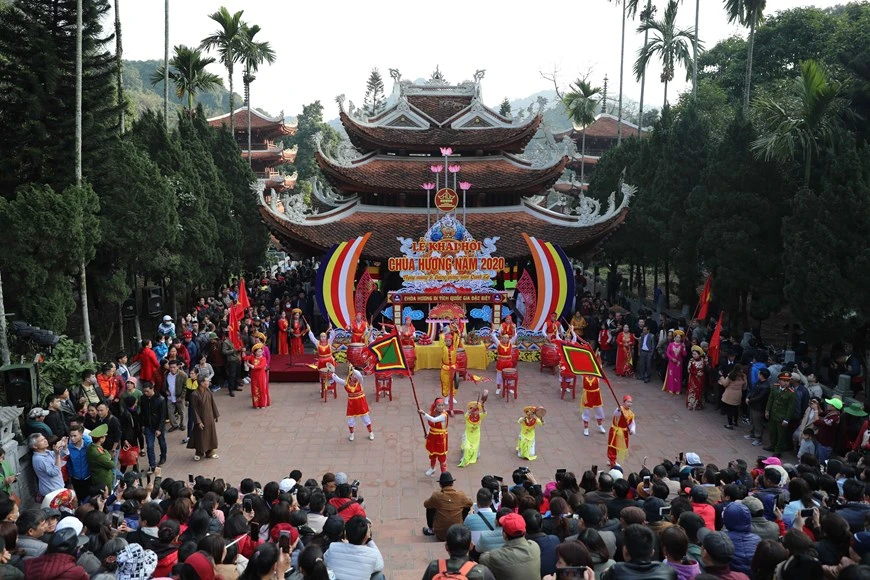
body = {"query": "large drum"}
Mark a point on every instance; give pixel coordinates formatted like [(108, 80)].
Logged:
[(461, 362), (410, 352), (515, 354), (511, 383), (355, 354), (549, 356)]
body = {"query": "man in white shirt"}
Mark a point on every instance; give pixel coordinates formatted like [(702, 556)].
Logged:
[(482, 518), (356, 558), (46, 464)]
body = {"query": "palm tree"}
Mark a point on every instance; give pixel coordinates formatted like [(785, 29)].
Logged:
[(189, 74), (629, 9), (166, 65), (805, 122), (581, 102), (227, 39), (670, 43), (645, 16), (252, 55), (747, 13)]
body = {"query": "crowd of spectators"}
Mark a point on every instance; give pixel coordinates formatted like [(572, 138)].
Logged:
[(681, 519), (150, 527)]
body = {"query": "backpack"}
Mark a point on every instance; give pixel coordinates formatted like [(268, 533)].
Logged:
[(462, 574)]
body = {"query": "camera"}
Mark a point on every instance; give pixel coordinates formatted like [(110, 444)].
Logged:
[(354, 488)]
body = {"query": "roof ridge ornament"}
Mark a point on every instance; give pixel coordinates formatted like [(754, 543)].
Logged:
[(340, 101)]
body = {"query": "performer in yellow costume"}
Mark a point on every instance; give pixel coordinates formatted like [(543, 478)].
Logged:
[(526, 443), (471, 438), (448, 366)]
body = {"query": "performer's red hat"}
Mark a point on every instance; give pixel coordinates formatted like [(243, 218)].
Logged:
[(626, 398), (435, 402)]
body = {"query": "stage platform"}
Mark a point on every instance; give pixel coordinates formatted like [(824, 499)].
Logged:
[(287, 368)]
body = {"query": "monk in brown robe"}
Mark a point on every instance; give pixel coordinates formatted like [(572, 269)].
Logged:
[(204, 416)]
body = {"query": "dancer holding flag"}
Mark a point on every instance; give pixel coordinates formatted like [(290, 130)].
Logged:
[(436, 439), (357, 406)]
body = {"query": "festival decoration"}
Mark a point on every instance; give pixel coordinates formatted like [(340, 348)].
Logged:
[(388, 354), (364, 288), (580, 360), (335, 279), (704, 302), (555, 282), (715, 343)]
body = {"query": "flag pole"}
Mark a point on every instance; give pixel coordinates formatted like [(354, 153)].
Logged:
[(416, 402)]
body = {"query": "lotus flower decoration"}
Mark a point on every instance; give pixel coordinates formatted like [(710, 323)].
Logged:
[(436, 168), (454, 168), (446, 151), (464, 185), (429, 186)]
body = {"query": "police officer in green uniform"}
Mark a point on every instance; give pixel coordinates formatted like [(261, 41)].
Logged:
[(99, 460), (780, 408)]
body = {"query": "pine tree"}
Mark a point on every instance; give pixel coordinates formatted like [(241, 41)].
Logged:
[(37, 73), (505, 109), (374, 102)]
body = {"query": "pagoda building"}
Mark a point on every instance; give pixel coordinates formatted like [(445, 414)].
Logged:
[(265, 154), (383, 178), (601, 136)]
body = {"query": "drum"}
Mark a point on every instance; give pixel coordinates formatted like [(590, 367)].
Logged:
[(515, 354), (324, 377), (461, 362), (355, 354), (549, 356), (410, 352)]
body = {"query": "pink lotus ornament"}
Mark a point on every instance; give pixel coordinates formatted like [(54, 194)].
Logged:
[(428, 186), (464, 185), (436, 168), (446, 151), (454, 168)]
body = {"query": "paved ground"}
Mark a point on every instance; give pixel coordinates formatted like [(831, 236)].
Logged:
[(300, 432)]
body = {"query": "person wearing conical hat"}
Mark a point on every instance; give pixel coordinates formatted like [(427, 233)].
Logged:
[(526, 442), (474, 417), (697, 379), (675, 354), (436, 439), (622, 426), (257, 365)]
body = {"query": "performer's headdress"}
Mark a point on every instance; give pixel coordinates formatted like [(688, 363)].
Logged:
[(256, 347), (435, 402), (297, 311), (679, 333), (627, 398), (474, 404), (530, 409), (698, 349)]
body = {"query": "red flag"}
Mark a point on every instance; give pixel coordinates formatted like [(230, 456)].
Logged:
[(243, 295), (235, 316), (580, 360), (715, 341), (704, 303)]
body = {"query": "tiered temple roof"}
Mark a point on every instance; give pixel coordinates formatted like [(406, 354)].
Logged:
[(376, 178), (265, 155)]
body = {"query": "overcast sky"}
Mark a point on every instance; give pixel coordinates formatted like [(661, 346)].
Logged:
[(328, 47)]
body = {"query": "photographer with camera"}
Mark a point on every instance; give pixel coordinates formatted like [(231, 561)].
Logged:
[(345, 504)]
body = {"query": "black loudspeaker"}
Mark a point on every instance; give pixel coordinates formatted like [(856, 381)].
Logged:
[(153, 299), (18, 385), (128, 308)]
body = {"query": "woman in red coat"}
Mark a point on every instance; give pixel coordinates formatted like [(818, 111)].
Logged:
[(259, 383), (625, 342), (283, 325), (147, 358)]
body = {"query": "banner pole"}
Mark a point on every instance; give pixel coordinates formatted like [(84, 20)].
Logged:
[(416, 402)]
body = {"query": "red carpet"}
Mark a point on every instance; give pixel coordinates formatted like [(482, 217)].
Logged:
[(287, 368)]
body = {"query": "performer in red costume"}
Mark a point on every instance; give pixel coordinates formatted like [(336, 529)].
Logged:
[(323, 347), (508, 328), (504, 357), (298, 329), (623, 425), (625, 342), (359, 329), (357, 406), (406, 332), (436, 440), (257, 365), (283, 325), (553, 328)]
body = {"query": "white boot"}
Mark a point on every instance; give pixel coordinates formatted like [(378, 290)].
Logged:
[(350, 437), (430, 471), (601, 429), (371, 435), (586, 432)]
